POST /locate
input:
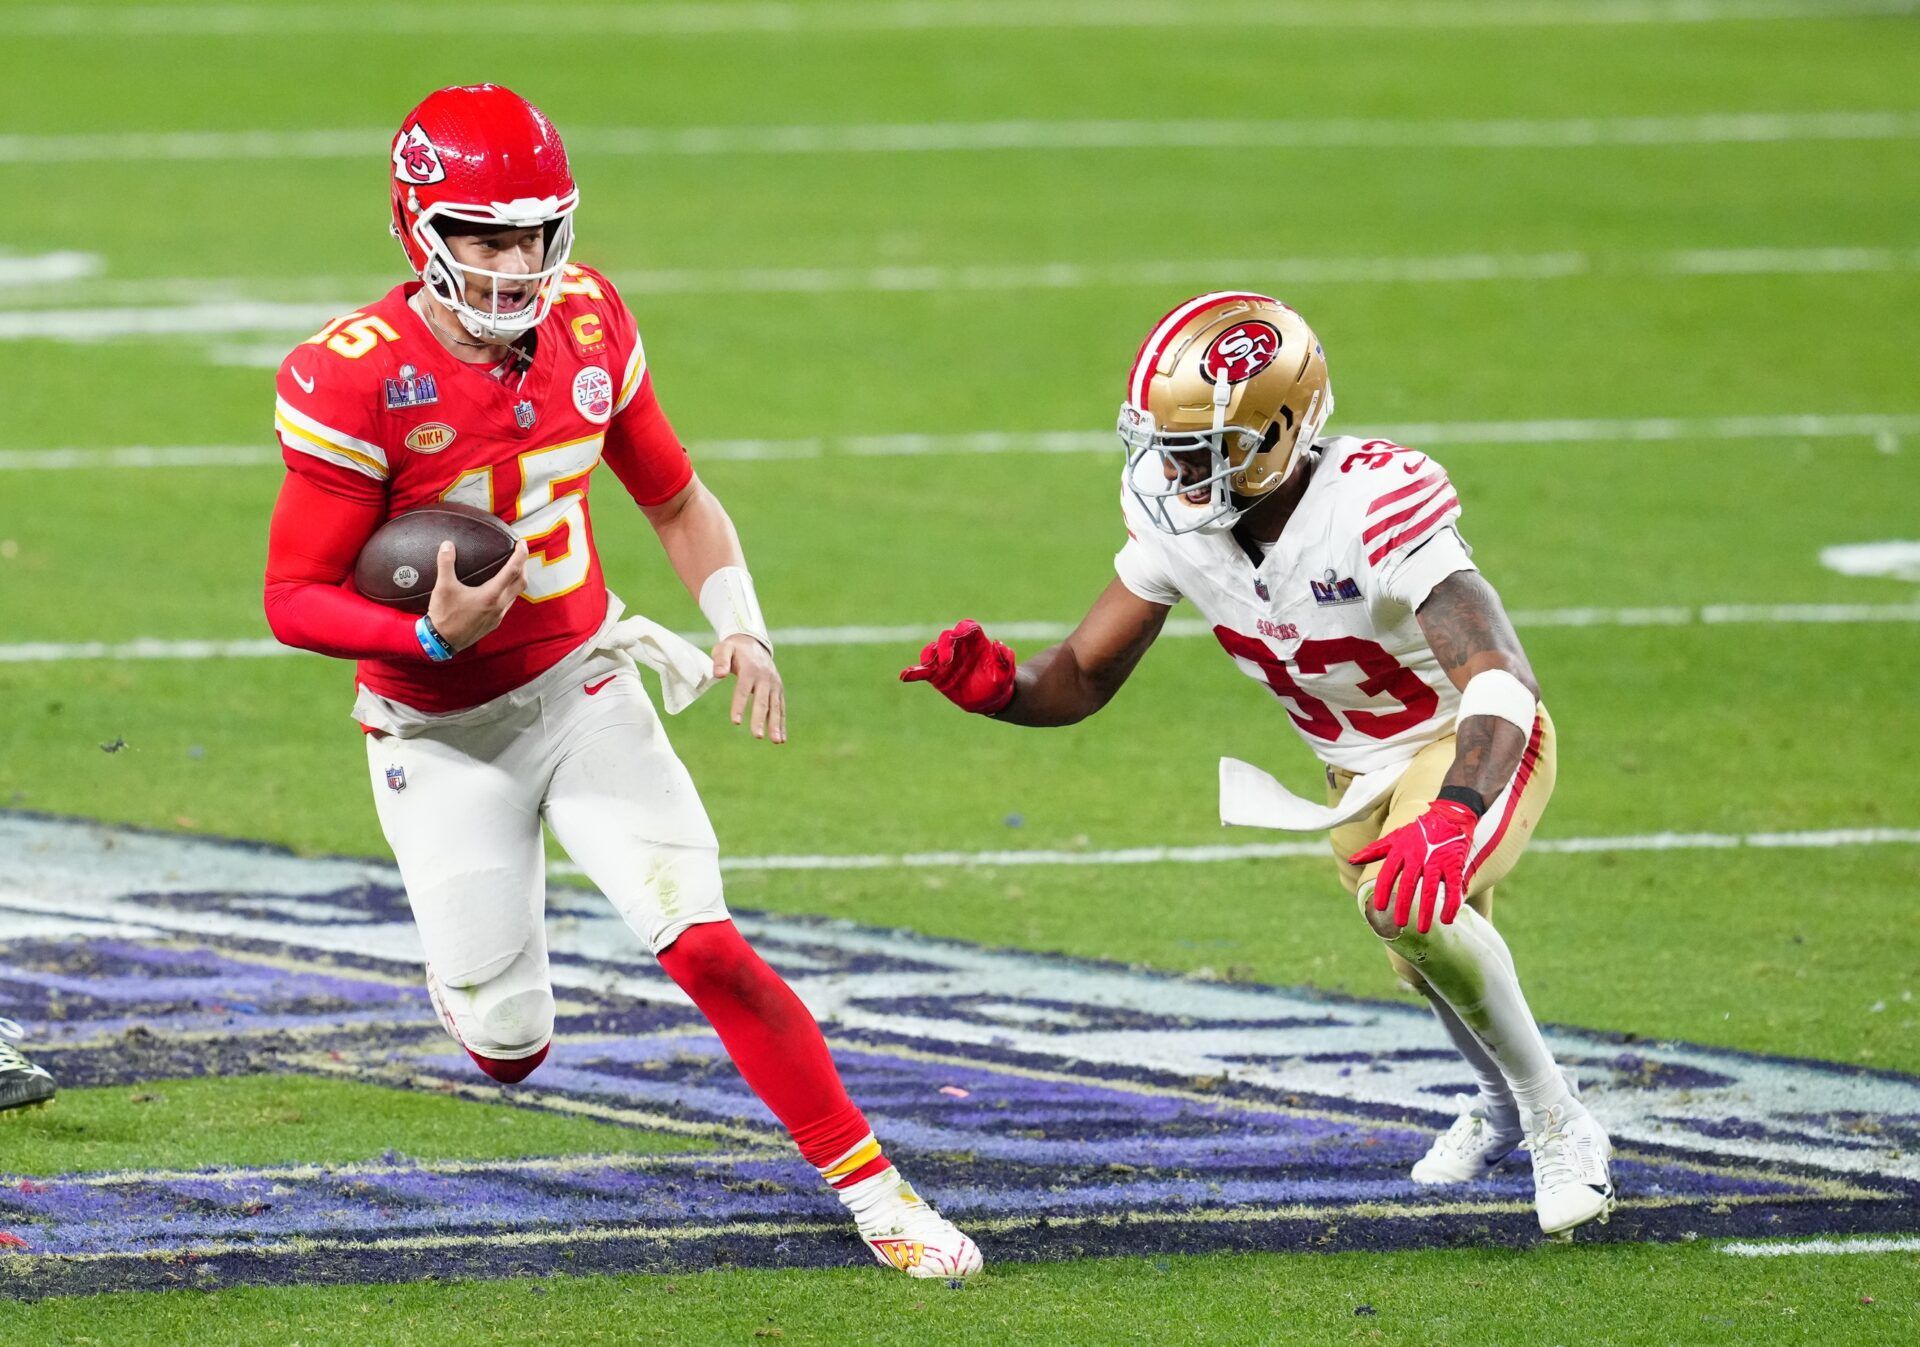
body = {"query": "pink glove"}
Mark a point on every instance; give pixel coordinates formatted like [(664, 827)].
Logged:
[(1428, 854), (968, 668)]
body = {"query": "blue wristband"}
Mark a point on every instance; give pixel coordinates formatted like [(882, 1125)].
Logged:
[(432, 643)]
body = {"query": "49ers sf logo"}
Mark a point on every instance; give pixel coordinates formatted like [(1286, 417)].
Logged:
[(1241, 352), (416, 158)]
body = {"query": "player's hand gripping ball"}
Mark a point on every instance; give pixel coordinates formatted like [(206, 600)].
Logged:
[(1423, 858), (400, 562), (968, 668)]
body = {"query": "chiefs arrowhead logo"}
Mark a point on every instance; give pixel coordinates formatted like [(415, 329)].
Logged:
[(1241, 352), (416, 158)]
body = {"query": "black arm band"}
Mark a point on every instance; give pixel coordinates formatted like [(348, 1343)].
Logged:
[(1467, 796)]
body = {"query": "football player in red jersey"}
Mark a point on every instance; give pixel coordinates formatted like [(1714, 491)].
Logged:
[(501, 378)]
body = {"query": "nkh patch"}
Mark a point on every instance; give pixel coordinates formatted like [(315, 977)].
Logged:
[(1056, 1107)]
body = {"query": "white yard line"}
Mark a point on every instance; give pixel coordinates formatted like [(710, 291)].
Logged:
[(1721, 614), (1261, 851), (307, 294), (1886, 429), (58, 268), (204, 307), (786, 17), (1803, 1247), (1725, 128)]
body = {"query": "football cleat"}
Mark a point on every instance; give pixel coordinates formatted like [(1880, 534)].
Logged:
[(1571, 1182), (905, 1233), (23, 1085), (1470, 1149)]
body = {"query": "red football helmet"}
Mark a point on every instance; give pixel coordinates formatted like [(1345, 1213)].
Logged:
[(483, 155)]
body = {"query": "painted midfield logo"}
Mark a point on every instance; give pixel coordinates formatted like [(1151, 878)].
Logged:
[(1080, 1108)]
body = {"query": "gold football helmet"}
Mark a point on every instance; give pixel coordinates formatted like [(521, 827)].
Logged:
[(1236, 376)]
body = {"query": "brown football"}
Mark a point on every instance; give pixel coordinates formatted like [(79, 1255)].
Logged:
[(397, 566)]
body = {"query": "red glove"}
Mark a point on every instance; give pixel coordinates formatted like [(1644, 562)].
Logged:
[(1427, 854), (969, 668)]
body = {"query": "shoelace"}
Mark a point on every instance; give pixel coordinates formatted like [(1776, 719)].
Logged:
[(1553, 1162), (11, 1058), (913, 1219), (1460, 1137)]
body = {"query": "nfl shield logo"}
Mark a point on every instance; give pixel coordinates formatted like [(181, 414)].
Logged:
[(396, 779), (523, 414)]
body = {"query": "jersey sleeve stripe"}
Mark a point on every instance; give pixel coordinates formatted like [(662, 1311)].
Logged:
[(1419, 528), (1402, 493), (338, 457), (630, 381), (1402, 515), (320, 433)]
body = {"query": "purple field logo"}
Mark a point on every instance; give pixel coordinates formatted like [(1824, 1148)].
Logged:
[(1059, 1108)]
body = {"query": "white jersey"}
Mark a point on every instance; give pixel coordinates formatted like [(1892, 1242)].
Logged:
[(1327, 619)]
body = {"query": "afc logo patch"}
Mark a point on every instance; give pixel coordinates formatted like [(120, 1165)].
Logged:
[(416, 159), (593, 394), (1334, 590), (1241, 352)]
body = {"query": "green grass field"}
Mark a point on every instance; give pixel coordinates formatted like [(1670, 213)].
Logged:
[(1469, 267)]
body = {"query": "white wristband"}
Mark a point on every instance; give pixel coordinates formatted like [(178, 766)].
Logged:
[(1497, 693), (728, 600)]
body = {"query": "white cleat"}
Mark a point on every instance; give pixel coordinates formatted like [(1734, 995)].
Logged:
[(907, 1234), (1571, 1183), (1470, 1149)]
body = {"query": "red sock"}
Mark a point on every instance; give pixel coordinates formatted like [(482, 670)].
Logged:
[(513, 1072), (773, 1039)]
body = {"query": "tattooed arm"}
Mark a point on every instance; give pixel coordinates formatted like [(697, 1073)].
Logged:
[(1470, 633)]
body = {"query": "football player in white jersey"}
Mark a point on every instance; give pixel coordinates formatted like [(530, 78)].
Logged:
[(1331, 569)]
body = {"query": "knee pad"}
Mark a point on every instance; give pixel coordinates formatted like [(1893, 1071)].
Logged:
[(1404, 943), (502, 1010)]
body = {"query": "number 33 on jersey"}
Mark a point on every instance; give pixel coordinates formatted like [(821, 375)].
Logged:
[(373, 408), (1326, 620)]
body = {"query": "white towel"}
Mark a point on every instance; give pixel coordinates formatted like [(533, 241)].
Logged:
[(685, 669), (1252, 799)]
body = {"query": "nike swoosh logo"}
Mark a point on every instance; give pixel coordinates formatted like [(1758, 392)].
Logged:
[(306, 385), (592, 688)]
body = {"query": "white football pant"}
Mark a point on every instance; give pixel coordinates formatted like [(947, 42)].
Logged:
[(461, 799)]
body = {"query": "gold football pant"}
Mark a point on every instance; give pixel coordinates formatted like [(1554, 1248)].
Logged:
[(1497, 843), (1464, 969)]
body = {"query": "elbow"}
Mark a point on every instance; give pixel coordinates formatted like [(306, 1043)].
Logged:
[(279, 601), (1506, 661)]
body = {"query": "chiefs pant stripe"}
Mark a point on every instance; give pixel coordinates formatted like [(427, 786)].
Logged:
[(1515, 789), (1155, 345)]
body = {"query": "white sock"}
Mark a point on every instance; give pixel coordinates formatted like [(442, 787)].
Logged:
[(1468, 964), (1496, 1099), (872, 1197)]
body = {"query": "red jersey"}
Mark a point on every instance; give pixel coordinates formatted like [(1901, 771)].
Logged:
[(373, 410)]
